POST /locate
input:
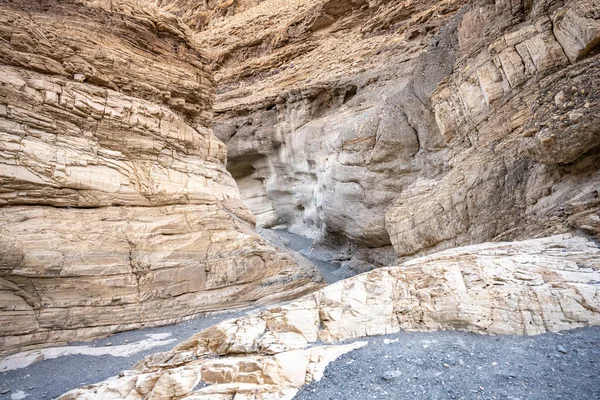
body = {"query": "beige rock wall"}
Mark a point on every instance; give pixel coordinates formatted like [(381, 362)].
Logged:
[(529, 287), (321, 119), (417, 124), (116, 209), (520, 118)]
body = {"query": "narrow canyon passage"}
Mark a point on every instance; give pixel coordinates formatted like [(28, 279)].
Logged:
[(312, 199)]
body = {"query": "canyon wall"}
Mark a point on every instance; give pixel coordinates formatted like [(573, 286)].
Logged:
[(520, 117), (418, 124), (116, 209)]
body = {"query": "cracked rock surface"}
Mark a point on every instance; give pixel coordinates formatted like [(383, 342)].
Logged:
[(387, 130), (525, 288), (116, 209)]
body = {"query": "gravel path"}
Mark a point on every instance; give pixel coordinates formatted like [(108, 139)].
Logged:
[(50, 378), (303, 246), (456, 365)]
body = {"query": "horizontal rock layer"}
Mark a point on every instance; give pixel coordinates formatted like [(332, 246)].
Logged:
[(76, 274), (529, 287), (116, 209)]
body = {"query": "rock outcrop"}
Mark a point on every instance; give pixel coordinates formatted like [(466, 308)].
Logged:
[(520, 118), (310, 103), (529, 287), (116, 209), (418, 124)]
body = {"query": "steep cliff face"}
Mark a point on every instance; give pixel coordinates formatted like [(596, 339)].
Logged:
[(117, 210), (425, 125), (321, 117), (520, 117)]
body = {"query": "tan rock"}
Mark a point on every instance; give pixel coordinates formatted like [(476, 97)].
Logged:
[(528, 287), (116, 209), (577, 28), (312, 105), (412, 124), (512, 115)]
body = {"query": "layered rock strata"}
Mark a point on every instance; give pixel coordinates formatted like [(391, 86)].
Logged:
[(418, 124), (116, 209), (529, 287), (309, 102), (520, 118)]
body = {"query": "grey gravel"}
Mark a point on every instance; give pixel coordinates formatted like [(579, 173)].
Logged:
[(435, 365), (49, 379), (303, 245), (457, 365)]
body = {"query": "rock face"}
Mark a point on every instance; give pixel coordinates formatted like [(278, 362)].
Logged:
[(116, 210), (520, 117), (528, 287), (418, 124)]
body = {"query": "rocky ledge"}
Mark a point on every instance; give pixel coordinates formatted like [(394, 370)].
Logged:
[(529, 287), (116, 209)]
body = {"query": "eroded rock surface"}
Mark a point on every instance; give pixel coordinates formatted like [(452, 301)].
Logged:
[(529, 287), (520, 118), (319, 113), (116, 209), (419, 124)]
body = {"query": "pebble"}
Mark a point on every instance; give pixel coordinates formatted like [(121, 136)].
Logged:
[(391, 375), (4, 391), (561, 349)]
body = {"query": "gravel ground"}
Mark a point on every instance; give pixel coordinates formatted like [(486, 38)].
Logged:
[(456, 365), (49, 379), (302, 245)]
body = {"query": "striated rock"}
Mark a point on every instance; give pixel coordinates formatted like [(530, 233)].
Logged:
[(528, 287), (577, 28), (116, 209), (323, 123), (76, 274), (244, 377), (523, 145), (367, 125)]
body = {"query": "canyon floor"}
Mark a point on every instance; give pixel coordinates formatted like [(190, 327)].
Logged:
[(407, 365), (64, 368)]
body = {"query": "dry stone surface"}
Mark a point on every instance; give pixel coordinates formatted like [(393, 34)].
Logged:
[(529, 287), (116, 209), (387, 129)]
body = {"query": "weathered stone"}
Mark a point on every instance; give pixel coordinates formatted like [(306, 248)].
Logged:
[(322, 122), (116, 209), (577, 28), (512, 115), (528, 287), (412, 124)]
